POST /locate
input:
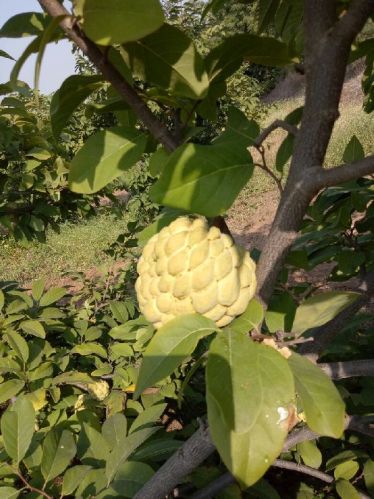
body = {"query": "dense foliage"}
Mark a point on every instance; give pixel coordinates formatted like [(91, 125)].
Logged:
[(94, 399)]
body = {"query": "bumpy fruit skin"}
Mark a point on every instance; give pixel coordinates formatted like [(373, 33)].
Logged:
[(190, 268)]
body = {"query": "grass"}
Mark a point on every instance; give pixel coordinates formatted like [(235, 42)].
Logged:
[(78, 247), (352, 120)]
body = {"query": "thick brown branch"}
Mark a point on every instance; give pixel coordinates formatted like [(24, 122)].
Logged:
[(193, 452), (348, 369), (327, 47), (268, 130), (156, 127), (344, 173)]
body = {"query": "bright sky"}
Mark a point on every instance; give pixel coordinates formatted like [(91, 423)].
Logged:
[(58, 61)]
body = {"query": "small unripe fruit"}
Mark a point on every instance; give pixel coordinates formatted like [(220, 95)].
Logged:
[(190, 268)]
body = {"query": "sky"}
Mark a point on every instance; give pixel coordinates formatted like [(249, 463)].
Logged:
[(58, 61)]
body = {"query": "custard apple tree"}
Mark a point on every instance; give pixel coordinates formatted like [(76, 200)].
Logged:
[(258, 338)]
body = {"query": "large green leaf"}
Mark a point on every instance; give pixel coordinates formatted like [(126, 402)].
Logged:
[(10, 388), (17, 428), (35, 328), (168, 58), (131, 477), (114, 429), (104, 157), (19, 345), (123, 450), (148, 417), (226, 58), (319, 309), (323, 407), (250, 319), (69, 96), (9, 493), (119, 21), (73, 478), (206, 179), (170, 346), (354, 150), (51, 296), (250, 390), (58, 450), (346, 490), (25, 24), (90, 348)]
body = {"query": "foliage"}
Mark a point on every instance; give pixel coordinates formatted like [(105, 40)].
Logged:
[(71, 365)]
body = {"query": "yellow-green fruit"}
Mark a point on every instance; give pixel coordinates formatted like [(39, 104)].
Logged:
[(187, 268)]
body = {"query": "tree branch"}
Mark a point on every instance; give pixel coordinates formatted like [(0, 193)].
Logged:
[(348, 369), (92, 51), (327, 47), (193, 452), (268, 130), (353, 423), (344, 173)]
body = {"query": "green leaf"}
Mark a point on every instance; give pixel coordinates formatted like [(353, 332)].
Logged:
[(90, 349), (310, 454), (131, 477), (51, 296), (284, 152), (69, 96), (161, 221), (119, 21), (280, 313), (157, 450), (18, 344), (119, 311), (369, 476), (2, 299), (9, 493), (47, 36), (157, 161), (35, 328), (73, 478), (148, 417), (346, 490), (92, 445), (58, 450), (265, 13), (6, 55), (118, 350), (319, 309), (32, 48), (25, 24), (105, 156), (114, 429), (320, 400), (37, 289), (9, 389), (124, 450), (17, 428), (206, 179), (354, 151), (223, 60), (170, 346), (250, 390), (168, 58), (346, 470), (250, 319)]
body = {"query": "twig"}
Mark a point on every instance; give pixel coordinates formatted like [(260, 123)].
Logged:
[(31, 487), (302, 468), (268, 170), (292, 129), (92, 51), (349, 369)]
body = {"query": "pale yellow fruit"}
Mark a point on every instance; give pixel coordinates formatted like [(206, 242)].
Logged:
[(190, 268)]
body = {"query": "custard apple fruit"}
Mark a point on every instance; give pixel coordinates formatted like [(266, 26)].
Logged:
[(190, 268)]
